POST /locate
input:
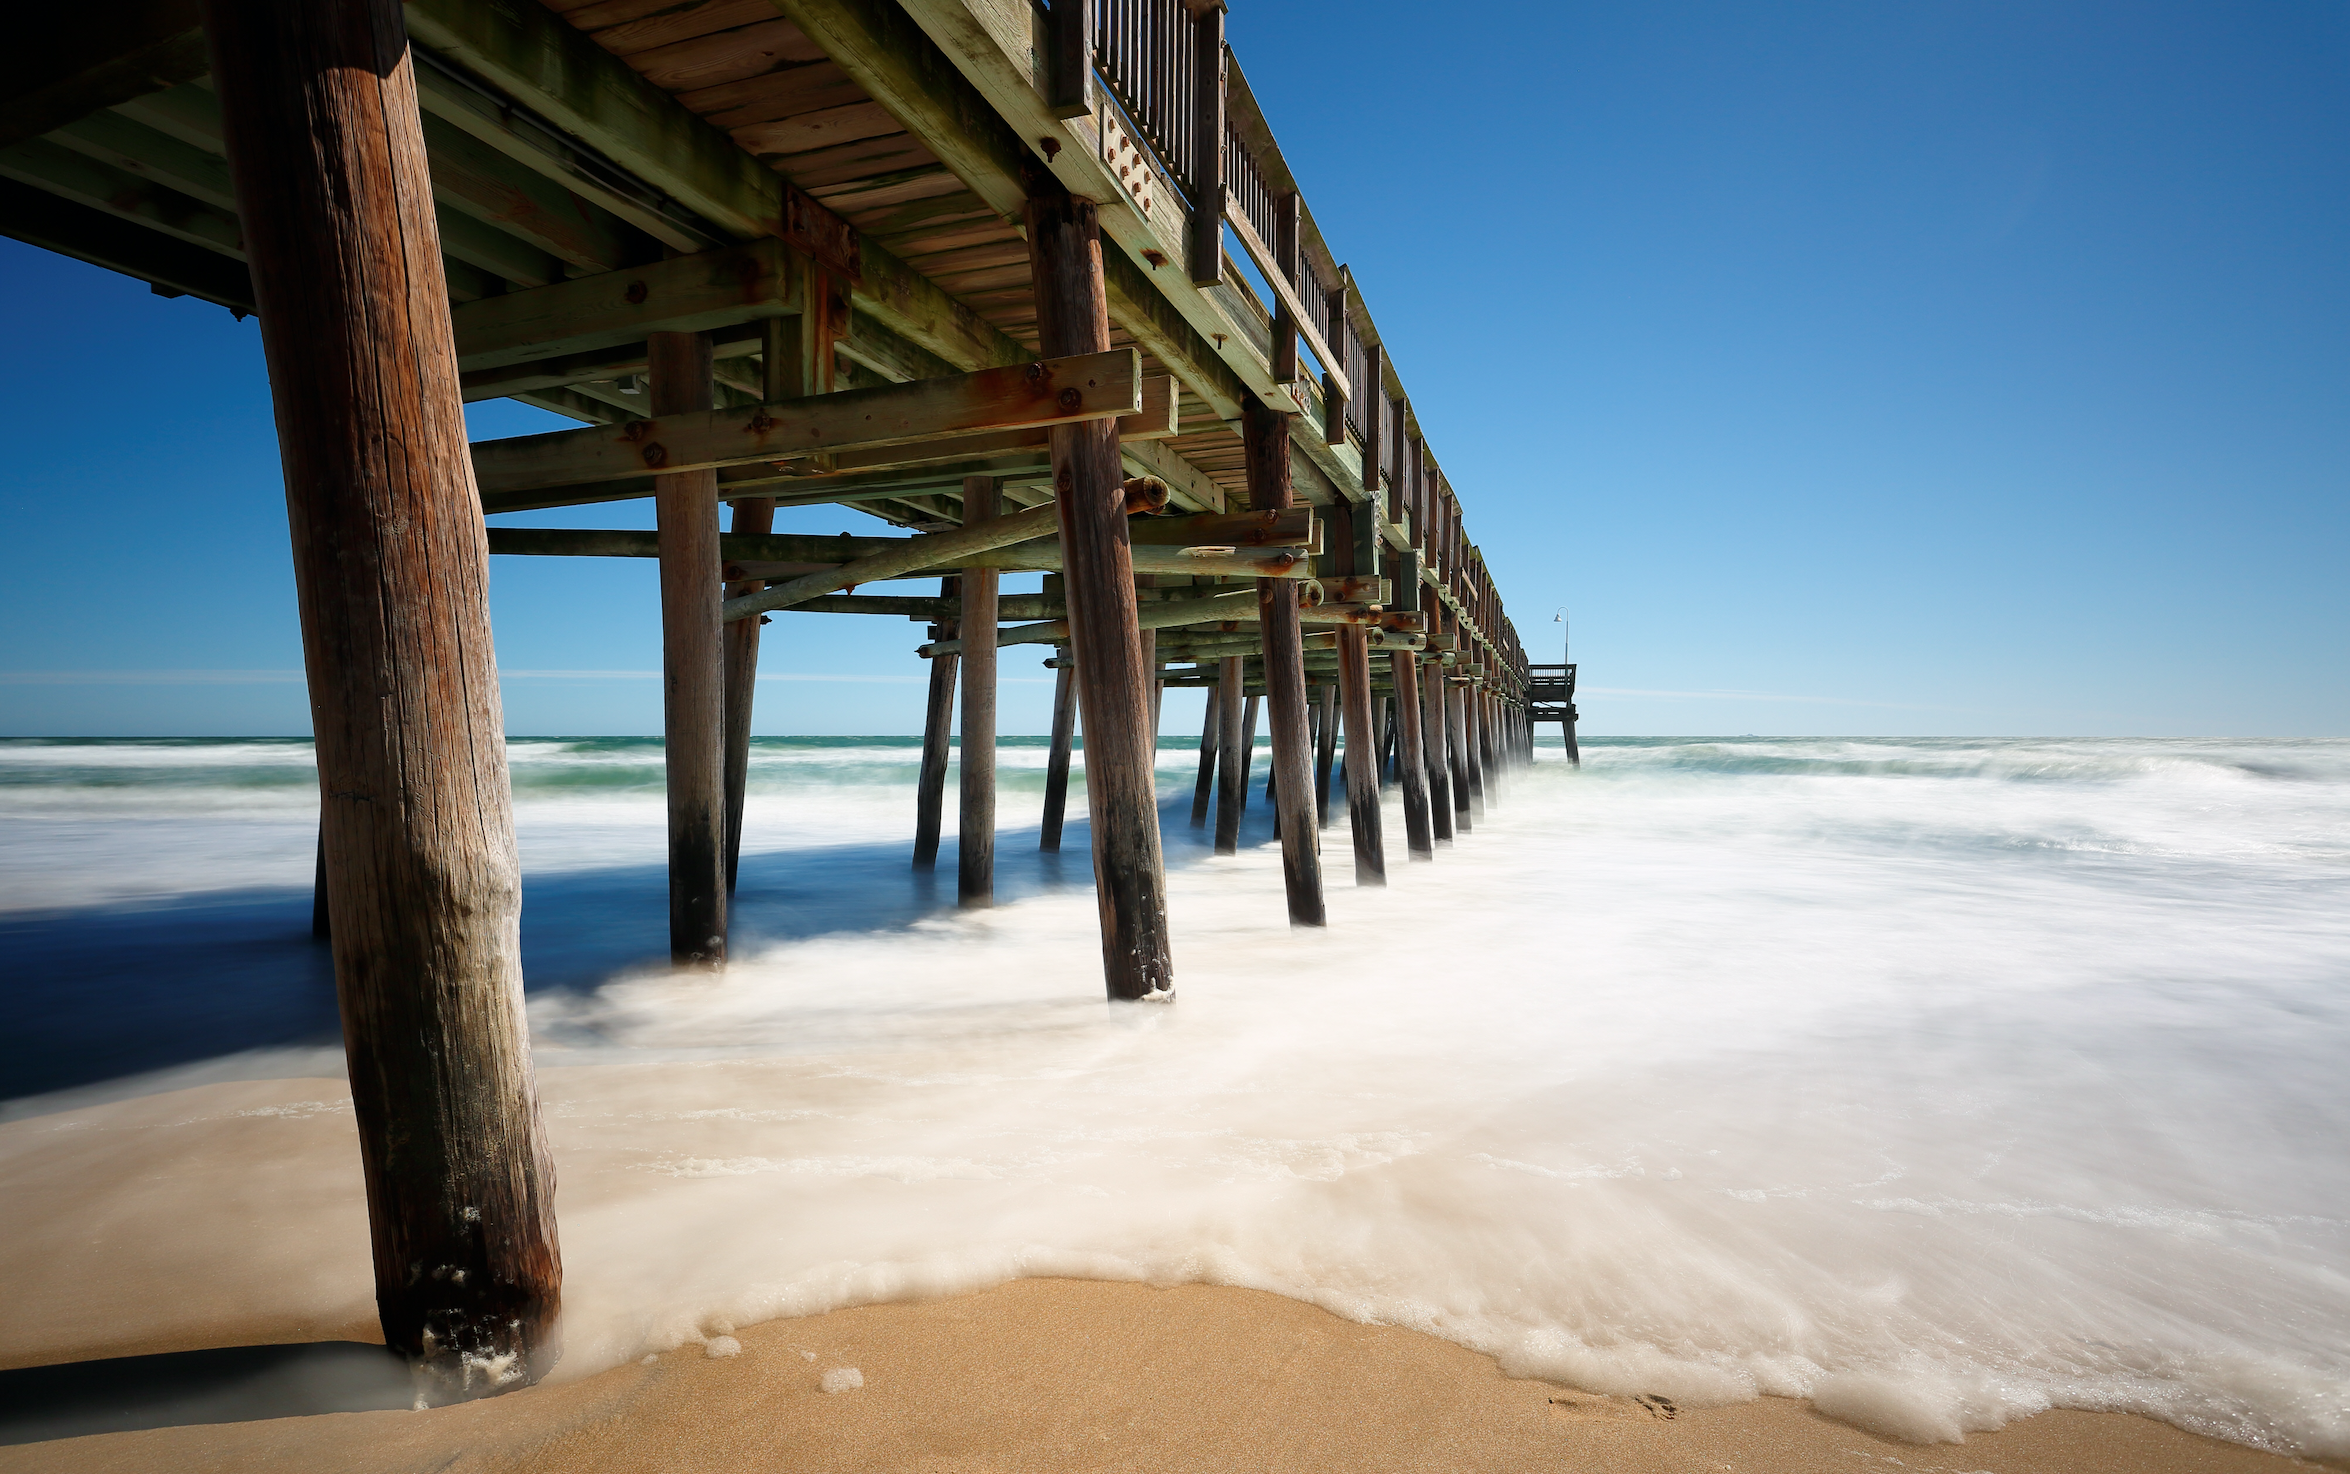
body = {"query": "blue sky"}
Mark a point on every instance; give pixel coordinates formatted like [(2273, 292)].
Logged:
[(1920, 368)]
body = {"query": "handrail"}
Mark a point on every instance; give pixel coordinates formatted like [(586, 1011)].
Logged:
[(1150, 57)]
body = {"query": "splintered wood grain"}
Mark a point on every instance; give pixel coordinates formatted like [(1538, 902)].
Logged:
[(857, 196), (728, 56), (625, 27), (772, 95), (847, 161), (821, 128)]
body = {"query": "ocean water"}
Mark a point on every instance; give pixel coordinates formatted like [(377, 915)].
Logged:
[(1941, 1081)]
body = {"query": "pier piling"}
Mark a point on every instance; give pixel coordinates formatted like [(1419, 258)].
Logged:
[(318, 102), (975, 830), (1130, 882)]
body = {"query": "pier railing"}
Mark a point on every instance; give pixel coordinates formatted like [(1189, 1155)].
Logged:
[(1150, 58)]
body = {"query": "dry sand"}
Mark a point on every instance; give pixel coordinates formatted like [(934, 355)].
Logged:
[(1070, 1375)]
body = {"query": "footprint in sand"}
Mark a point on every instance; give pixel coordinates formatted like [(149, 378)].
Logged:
[(1588, 1407)]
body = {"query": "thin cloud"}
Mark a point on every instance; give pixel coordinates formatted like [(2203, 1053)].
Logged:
[(1760, 696), (149, 677)]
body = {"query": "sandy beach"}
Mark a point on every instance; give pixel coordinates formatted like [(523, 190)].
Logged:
[(1070, 1375)]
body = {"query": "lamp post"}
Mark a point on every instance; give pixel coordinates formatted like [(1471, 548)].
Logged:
[(1567, 684)]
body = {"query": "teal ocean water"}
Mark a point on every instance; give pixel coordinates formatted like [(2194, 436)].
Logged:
[(1941, 1081)]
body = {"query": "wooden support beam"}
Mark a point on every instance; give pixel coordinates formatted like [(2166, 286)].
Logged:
[(1362, 764), (693, 706), (928, 550), (174, 267), (1473, 724), (688, 294), (1412, 756), (391, 577), (1054, 391), (1265, 440), (1232, 756), (753, 516), (941, 463), (938, 717), (66, 61), (1130, 882), (796, 360), (1325, 751), (975, 854), (1456, 751), (1056, 763), (1160, 614), (1283, 527), (1210, 726)]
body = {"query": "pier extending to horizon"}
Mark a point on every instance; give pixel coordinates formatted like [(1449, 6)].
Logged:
[(1032, 285)]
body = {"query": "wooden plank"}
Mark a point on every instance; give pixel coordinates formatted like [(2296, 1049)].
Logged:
[(60, 171), (174, 267), (391, 578), (532, 54), (1284, 527), (1059, 390), (689, 294)]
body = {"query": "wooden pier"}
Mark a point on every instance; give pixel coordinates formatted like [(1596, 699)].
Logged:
[(1031, 285)]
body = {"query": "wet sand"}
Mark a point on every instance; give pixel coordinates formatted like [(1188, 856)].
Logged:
[(1079, 1375)]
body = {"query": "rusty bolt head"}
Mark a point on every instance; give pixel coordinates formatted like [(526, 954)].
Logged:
[(635, 292), (1070, 399), (656, 454)]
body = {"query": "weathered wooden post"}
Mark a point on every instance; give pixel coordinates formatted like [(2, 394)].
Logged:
[(1473, 746), (1265, 445), (321, 928), (796, 359), (937, 718), (391, 571), (693, 705), (1130, 880), (1432, 735), (1411, 756), (739, 680), (1056, 763), (975, 833), (1456, 750), (1325, 752), (1362, 760), (1210, 738), (1232, 758), (1248, 740)]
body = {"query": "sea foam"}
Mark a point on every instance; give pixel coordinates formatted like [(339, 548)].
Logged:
[(1941, 1083)]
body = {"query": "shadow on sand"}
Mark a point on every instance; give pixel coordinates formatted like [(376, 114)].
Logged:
[(226, 1384), (101, 993)]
